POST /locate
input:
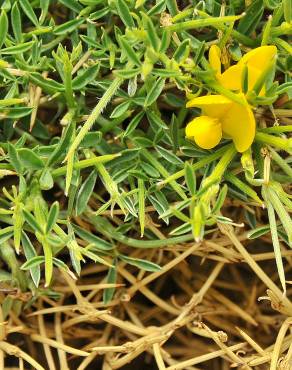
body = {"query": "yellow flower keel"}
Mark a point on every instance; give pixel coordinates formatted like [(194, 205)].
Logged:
[(205, 131)]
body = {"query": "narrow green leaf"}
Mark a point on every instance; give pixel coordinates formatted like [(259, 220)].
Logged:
[(62, 147), (169, 156), (16, 22), (133, 124), (3, 27), (85, 192), (30, 253), (110, 279), (287, 7), (141, 201), (92, 239), (120, 109), (190, 177), (18, 49), (28, 10), (154, 92), (68, 27), (124, 13), (85, 77), (141, 264), (47, 84), (52, 216), (33, 262), (129, 51), (14, 158), (72, 4), (31, 220)]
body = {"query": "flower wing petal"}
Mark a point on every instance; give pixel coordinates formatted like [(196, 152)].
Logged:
[(259, 57), (239, 124), (231, 78), (212, 105)]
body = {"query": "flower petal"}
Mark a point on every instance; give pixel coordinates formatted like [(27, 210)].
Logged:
[(205, 131), (211, 105), (214, 58), (239, 124), (259, 57), (231, 78)]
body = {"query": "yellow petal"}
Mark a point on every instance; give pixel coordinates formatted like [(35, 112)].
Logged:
[(259, 57), (231, 78), (205, 131), (214, 58), (239, 124), (211, 105)]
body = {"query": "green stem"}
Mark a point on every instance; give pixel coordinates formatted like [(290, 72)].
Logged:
[(196, 166), (109, 231), (277, 129), (281, 162), (199, 23), (278, 142), (85, 163), (95, 113), (221, 166)]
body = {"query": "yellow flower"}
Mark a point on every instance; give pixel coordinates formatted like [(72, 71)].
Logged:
[(221, 117), (256, 61)]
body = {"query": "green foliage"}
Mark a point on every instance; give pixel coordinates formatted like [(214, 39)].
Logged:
[(93, 129)]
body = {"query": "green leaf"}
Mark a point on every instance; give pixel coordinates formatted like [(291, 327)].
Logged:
[(141, 264), (154, 92), (190, 177), (15, 113), (30, 253), (14, 158), (31, 220), (29, 159), (258, 232), (155, 121), (3, 27), (182, 51), (110, 279), (120, 109), (133, 124), (253, 15), (158, 8), (47, 84), (85, 192), (127, 73), (124, 13), (92, 239), (62, 147), (85, 77), (16, 22), (52, 216), (169, 156), (129, 51), (28, 10), (33, 263), (287, 7), (141, 201), (91, 139), (72, 4), (6, 234), (220, 199), (18, 49), (68, 27), (151, 32)]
